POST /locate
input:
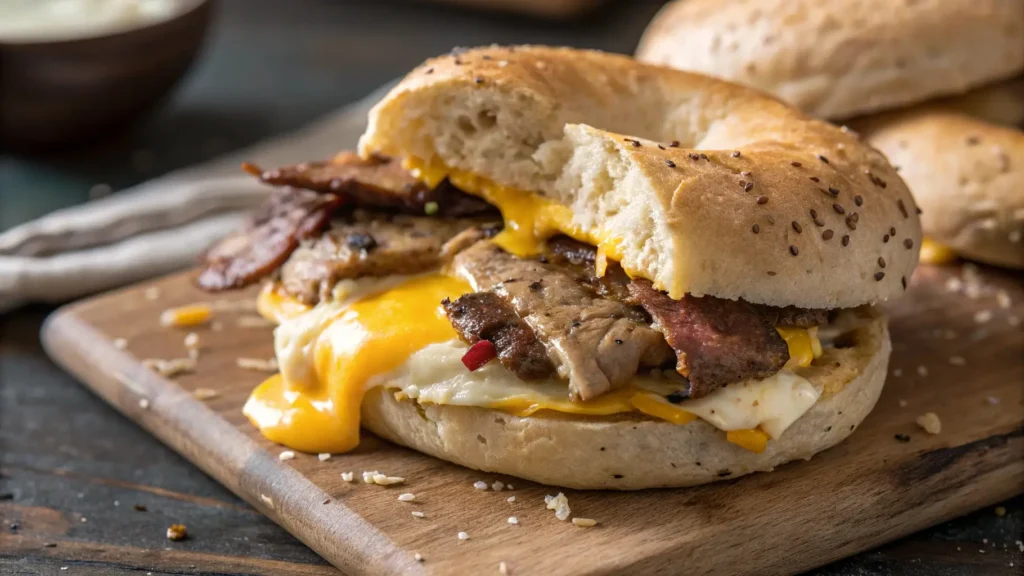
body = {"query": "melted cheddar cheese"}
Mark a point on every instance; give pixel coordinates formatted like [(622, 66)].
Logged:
[(393, 333)]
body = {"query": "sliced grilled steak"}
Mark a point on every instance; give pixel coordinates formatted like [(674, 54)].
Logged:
[(378, 182), (486, 316), (795, 317), (717, 341), (274, 231), (579, 259), (596, 343), (367, 244)]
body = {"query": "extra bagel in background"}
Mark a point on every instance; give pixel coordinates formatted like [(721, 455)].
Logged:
[(967, 175), (579, 269), (843, 58)]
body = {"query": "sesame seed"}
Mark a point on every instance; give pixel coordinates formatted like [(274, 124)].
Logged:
[(762, 199), (674, 144), (838, 208), (892, 231), (796, 227), (513, 520), (670, 164), (478, 80), (770, 273), (745, 173), (827, 235), (972, 140), (794, 250), (286, 455), (815, 179), (881, 262), (833, 191), (584, 522), (463, 536), (407, 497), (813, 213), (819, 222), (796, 164), (748, 186), (846, 239), (903, 209), (660, 147), (908, 243), (879, 276), (903, 280), (120, 343), (885, 239), (756, 229), (735, 154), (703, 156), (770, 219), (480, 485), (429, 71), (858, 200), (823, 158), (633, 143), (694, 156), (851, 222)]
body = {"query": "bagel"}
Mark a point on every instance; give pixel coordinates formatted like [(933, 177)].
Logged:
[(843, 58), (967, 174), (579, 269), (592, 132)]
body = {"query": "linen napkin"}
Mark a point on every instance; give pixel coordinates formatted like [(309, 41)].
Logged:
[(159, 226)]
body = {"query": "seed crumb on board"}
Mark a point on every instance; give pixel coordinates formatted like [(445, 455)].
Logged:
[(177, 532), (418, 514), (930, 422), (513, 520), (480, 485), (204, 393), (503, 569), (418, 557), (463, 536), (348, 476), (323, 456), (560, 504), (258, 364), (584, 522), (407, 497), (286, 455)]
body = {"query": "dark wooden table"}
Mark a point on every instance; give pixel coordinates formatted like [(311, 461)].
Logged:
[(82, 487)]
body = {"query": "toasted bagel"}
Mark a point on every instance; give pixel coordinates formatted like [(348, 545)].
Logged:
[(702, 186), (843, 58)]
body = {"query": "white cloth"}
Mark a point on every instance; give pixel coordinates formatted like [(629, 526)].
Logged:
[(156, 227)]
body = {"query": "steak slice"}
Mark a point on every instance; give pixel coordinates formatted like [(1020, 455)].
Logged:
[(364, 244), (274, 231), (717, 341), (486, 316), (579, 258), (377, 182), (596, 343), (795, 317)]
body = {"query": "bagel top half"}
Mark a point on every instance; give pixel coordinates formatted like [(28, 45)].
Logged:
[(843, 58), (702, 186)]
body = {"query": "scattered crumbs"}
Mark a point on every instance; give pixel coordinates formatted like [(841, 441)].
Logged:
[(152, 293), (144, 403), (902, 438), (170, 368), (498, 486), (1000, 511), (418, 514), (1003, 299), (503, 569), (922, 370), (513, 520), (992, 400), (982, 316), (480, 485), (903, 403), (191, 341), (286, 455), (204, 393), (407, 497), (584, 522), (382, 480), (120, 343), (323, 456), (957, 360), (177, 532), (348, 476), (930, 422), (510, 499), (463, 536), (560, 504), (417, 557), (897, 372), (509, 487), (368, 476)]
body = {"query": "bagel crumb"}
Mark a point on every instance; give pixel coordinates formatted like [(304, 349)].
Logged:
[(930, 422), (510, 499), (417, 557), (584, 522), (407, 497), (498, 486), (513, 520), (382, 480), (368, 476), (323, 456), (418, 514), (120, 343), (735, 154), (286, 455), (205, 393), (463, 536), (480, 485), (347, 476), (560, 504), (503, 569)]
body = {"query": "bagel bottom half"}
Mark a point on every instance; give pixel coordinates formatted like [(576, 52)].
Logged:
[(631, 453)]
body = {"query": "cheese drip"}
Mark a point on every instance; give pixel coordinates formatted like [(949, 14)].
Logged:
[(393, 333)]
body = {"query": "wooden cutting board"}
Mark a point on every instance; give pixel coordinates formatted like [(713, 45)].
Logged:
[(957, 356)]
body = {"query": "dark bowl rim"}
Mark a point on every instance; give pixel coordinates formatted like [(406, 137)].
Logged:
[(117, 33)]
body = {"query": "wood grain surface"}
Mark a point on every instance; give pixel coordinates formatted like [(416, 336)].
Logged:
[(871, 489)]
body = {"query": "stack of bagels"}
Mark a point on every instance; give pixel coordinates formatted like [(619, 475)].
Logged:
[(935, 85)]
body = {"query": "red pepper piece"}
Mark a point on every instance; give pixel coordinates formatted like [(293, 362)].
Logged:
[(479, 354)]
